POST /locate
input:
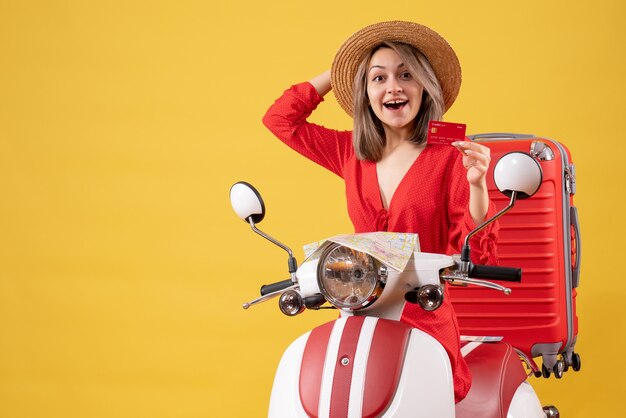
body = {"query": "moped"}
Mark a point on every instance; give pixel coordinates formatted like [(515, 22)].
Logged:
[(367, 363)]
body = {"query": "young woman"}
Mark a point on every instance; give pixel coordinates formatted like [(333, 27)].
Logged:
[(393, 78)]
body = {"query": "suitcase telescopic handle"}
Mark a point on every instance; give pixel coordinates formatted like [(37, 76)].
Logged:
[(507, 274), (500, 135)]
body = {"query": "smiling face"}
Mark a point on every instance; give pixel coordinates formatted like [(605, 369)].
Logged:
[(381, 116), (394, 94)]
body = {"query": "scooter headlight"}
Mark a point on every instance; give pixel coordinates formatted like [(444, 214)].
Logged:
[(350, 279)]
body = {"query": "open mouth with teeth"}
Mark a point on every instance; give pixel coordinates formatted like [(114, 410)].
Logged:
[(395, 104)]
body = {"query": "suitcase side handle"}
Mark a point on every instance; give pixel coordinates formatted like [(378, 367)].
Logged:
[(576, 227), (500, 135)]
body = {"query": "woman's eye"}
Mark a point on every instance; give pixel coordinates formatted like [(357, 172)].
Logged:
[(377, 78), (405, 76)]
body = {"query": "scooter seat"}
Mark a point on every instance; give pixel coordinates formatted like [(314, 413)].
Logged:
[(497, 372)]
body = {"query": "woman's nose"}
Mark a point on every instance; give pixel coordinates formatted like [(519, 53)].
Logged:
[(394, 86)]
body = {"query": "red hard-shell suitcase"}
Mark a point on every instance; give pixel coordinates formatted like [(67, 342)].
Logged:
[(540, 235)]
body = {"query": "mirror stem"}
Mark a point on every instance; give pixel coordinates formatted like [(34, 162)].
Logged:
[(293, 264), (465, 252)]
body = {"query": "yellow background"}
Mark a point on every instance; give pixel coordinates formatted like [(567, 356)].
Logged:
[(123, 125)]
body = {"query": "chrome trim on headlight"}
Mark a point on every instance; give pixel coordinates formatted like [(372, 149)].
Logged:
[(350, 279)]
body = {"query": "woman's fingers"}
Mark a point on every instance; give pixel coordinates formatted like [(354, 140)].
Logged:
[(476, 159), (473, 156), (463, 146), (472, 152)]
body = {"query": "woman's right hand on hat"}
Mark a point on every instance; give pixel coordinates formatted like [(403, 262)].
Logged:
[(321, 83)]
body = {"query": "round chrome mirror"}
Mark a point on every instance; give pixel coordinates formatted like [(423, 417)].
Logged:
[(518, 172), (247, 202)]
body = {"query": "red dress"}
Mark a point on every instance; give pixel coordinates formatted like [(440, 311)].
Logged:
[(431, 200)]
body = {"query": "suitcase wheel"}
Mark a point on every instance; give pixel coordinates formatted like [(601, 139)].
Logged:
[(567, 360), (573, 360), (576, 362), (559, 368), (551, 411)]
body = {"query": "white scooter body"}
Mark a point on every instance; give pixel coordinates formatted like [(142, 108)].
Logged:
[(425, 383), (424, 387)]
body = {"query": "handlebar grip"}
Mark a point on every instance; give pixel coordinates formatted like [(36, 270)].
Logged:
[(507, 274), (275, 287)]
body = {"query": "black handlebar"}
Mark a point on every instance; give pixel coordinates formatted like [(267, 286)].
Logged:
[(507, 274), (275, 287)]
